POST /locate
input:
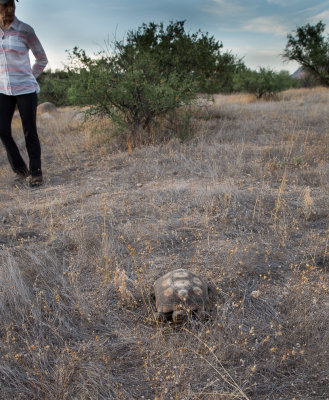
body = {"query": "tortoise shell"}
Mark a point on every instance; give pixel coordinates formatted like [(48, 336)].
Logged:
[(180, 289)]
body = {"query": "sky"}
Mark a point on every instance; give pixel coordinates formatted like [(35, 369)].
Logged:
[(253, 29)]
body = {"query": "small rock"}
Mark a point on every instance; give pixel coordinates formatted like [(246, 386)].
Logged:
[(255, 294), (46, 107), (46, 116), (79, 117)]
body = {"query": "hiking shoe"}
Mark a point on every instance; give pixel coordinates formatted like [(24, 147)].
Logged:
[(36, 180), (20, 177)]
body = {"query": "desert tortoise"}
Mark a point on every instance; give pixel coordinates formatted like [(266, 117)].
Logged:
[(180, 292)]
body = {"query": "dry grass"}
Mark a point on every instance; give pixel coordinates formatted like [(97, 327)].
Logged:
[(244, 203), (238, 98)]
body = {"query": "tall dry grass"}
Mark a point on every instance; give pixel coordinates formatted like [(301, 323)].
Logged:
[(244, 202)]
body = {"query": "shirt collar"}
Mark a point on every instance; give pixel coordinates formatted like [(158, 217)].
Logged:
[(14, 24)]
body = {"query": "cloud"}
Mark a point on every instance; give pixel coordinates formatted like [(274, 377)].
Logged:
[(224, 8), (255, 57), (324, 16), (267, 25), (283, 3), (315, 9), (278, 2)]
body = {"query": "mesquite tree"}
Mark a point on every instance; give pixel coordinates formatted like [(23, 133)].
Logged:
[(309, 46), (153, 71)]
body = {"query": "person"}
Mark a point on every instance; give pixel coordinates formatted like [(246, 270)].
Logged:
[(18, 86)]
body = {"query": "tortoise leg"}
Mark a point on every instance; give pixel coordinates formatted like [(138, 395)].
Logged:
[(203, 315), (179, 316), (159, 316)]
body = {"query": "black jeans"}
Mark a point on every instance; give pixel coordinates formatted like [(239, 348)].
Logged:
[(27, 106)]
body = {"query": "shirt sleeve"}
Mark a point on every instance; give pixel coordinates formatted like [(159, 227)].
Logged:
[(40, 56)]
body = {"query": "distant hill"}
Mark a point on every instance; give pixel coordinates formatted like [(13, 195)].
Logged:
[(299, 73)]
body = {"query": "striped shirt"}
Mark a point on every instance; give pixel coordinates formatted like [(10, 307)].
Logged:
[(16, 74)]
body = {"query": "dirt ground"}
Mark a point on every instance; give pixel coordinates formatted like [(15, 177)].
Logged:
[(244, 203)]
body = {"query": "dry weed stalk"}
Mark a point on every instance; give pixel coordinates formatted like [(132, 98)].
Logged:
[(121, 282), (308, 203)]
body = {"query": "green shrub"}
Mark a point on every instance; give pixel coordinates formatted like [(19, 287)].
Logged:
[(154, 71), (54, 87), (132, 95), (262, 83)]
